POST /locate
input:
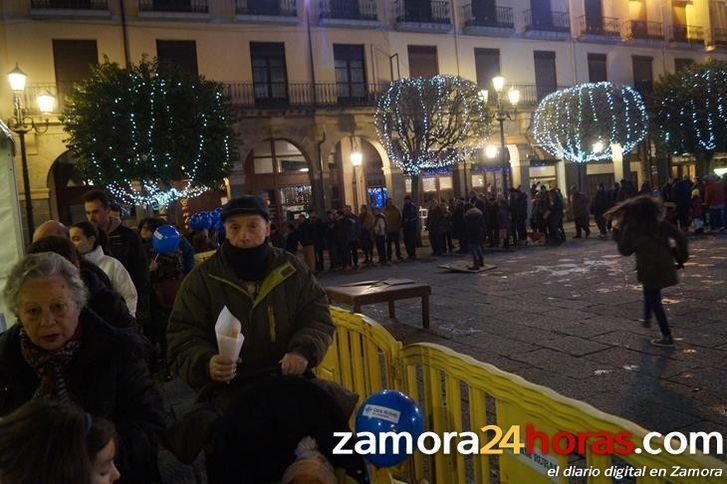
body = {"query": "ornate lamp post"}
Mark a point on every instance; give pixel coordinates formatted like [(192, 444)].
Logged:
[(21, 124), (501, 114)]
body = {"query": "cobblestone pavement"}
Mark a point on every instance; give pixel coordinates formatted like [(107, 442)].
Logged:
[(566, 318)]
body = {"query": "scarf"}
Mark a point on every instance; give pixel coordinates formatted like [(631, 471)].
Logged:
[(50, 366), (248, 264)]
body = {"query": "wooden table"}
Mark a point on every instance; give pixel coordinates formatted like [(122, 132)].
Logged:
[(357, 294)]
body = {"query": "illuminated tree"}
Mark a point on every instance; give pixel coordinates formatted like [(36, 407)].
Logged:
[(581, 123), (431, 123), (689, 109), (150, 136)]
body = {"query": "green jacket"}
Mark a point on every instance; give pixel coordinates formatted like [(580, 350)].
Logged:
[(289, 314)]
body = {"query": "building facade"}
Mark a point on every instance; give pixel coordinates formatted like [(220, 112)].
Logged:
[(305, 75)]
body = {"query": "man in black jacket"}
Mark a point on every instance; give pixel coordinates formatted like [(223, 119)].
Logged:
[(124, 244)]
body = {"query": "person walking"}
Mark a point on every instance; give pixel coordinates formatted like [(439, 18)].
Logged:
[(410, 225), (474, 232), (660, 249), (599, 206), (366, 223), (579, 206)]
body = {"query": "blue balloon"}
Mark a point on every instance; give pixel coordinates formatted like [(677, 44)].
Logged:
[(390, 411), (165, 239), (195, 222), (205, 220)]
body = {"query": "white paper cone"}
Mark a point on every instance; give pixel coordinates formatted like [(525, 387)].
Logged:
[(229, 336)]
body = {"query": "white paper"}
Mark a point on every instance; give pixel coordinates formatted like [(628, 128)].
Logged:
[(229, 335)]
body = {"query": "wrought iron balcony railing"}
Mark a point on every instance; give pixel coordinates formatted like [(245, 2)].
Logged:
[(304, 95), (348, 9), (70, 4), (557, 22), (501, 17), (273, 8), (687, 33), (641, 29), (184, 6), (602, 27), (423, 11), (719, 36)]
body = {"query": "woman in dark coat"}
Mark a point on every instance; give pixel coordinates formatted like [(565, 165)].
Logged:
[(60, 351), (659, 247)]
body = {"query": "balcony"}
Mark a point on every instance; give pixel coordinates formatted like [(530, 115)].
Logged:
[(282, 12), (604, 29), (174, 8), (348, 13), (687, 35), (719, 38), (304, 95), (480, 21), (423, 16), (70, 4), (641, 31), (557, 27)]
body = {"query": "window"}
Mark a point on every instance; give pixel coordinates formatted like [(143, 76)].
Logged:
[(682, 64), (484, 12), (350, 71), (643, 73), (268, 72), (594, 16), (423, 61), (181, 54), (487, 65), (546, 80), (73, 60), (597, 68)]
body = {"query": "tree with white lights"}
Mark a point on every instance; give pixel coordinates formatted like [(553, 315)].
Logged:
[(431, 123), (150, 136), (689, 109), (581, 123)]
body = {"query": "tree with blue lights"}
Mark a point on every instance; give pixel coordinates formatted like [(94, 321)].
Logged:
[(148, 135), (581, 123), (431, 123), (689, 110)]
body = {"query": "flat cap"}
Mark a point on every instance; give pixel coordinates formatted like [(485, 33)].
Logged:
[(245, 205)]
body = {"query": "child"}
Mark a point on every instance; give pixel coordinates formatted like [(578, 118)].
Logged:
[(640, 229), (310, 467), (101, 447)]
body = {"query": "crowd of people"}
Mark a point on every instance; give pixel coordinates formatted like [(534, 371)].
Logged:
[(99, 311), (96, 306)]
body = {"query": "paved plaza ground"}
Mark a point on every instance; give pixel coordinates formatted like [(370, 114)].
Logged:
[(566, 317)]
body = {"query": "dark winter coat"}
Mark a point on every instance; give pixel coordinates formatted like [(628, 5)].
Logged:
[(106, 302), (655, 260), (474, 225), (601, 203), (126, 246), (107, 379), (289, 314), (409, 217), (579, 205)]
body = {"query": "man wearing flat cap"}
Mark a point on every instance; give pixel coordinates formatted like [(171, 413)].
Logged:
[(282, 308)]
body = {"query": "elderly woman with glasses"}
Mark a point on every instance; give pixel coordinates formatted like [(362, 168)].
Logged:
[(63, 352)]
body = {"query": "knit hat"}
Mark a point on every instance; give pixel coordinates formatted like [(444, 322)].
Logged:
[(245, 205)]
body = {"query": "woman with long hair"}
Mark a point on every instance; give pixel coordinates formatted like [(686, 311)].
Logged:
[(639, 228)]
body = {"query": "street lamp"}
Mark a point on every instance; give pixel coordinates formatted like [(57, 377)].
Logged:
[(21, 124), (356, 161), (513, 95)]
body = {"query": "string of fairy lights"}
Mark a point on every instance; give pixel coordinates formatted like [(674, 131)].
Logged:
[(142, 165), (431, 123), (581, 123)]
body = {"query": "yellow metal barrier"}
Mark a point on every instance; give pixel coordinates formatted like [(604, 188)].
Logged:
[(460, 394)]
